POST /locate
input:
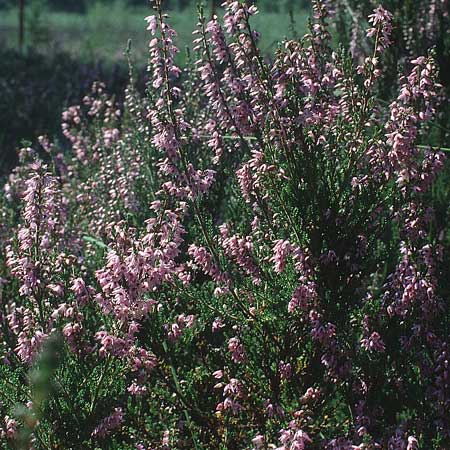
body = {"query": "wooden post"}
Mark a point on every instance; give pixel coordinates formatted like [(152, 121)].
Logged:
[(21, 23)]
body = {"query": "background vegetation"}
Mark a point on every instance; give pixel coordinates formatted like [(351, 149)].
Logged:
[(69, 44)]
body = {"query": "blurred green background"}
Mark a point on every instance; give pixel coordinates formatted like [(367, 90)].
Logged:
[(97, 30)]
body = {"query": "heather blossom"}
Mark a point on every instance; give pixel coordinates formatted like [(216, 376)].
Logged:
[(381, 19), (108, 424), (293, 438), (10, 428)]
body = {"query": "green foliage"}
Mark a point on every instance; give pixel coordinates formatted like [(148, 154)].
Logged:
[(37, 29)]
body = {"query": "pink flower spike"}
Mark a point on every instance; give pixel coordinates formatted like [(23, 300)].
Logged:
[(152, 24)]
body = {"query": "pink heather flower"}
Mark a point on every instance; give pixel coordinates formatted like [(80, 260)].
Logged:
[(71, 332), (380, 16), (152, 24), (142, 360), (108, 424), (174, 333), (246, 182), (311, 394), (234, 387), (412, 443), (229, 404), (301, 261), (234, 17), (273, 410), (232, 392), (217, 38), (323, 333), (166, 438), (285, 370), (110, 136), (56, 289), (29, 342), (240, 249), (373, 343), (217, 325), (236, 349), (293, 438), (182, 323), (258, 441), (281, 251), (304, 294), (10, 428), (381, 19), (78, 287), (205, 261), (136, 389), (199, 182), (415, 104), (113, 345)]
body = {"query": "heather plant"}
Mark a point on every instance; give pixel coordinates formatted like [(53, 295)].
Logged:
[(417, 26), (245, 257)]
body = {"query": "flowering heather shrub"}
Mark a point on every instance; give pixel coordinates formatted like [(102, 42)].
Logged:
[(417, 27), (427, 18), (245, 258)]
